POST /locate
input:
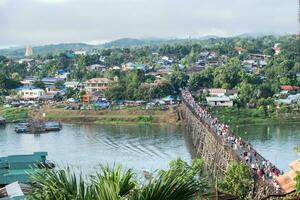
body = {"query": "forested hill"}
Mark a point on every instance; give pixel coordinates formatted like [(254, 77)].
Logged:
[(18, 52)]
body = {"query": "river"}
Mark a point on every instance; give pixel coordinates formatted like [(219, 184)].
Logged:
[(141, 147), (275, 142), (84, 147)]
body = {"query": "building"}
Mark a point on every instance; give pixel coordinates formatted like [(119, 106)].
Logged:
[(80, 52), (73, 84), (277, 49), (220, 92), (30, 92), (61, 74), (223, 101), (96, 67), (28, 81), (253, 56), (96, 84), (29, 51), (240, 50), (132, 66), (26, 61), (51, 80), (289, 88)]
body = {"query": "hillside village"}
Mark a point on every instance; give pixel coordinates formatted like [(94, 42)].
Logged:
[(224, 74)]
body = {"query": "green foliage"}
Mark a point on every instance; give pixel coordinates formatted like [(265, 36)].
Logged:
[(145, 119), (39, 84), (14, 114), (297, 179), (178, 80), (237, 180), (178, 183), (297, 149)]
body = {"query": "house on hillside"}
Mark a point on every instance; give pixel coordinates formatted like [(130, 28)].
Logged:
[(28, 80), (289, 89), (277, 49), (132, 66), (219, 92), (240, 50), (61, 74), (30, 92), (96, 68), (51, 80), (291, 99), (222, 101), (73, 84), (260, 57), (80, 52), (96, 84)]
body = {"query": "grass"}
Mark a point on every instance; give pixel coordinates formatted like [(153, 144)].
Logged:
[(130, 116), (14, 114)]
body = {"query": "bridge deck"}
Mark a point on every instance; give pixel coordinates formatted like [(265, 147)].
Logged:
[(245, 152)]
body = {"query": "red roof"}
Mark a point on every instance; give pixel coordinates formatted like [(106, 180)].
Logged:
[(289, 87)]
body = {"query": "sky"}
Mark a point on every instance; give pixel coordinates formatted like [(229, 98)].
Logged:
[(39, 22)]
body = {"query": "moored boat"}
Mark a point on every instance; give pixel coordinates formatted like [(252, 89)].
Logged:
[(22, 128), (2, 121), (52, 126)]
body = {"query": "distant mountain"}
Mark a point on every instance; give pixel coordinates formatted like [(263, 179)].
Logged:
[(255, 35), (130, 42)]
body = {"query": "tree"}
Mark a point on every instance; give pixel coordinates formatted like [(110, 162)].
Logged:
[(237, 180), (178, 80), (202, 79), (39, 84), (230, 75)]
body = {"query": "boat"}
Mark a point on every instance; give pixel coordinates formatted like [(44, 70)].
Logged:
[(2, 121), (19, 168), (37, 127), (52, 126), (22, 128)]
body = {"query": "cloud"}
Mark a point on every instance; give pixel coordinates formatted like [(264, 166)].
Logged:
[(53, 21)]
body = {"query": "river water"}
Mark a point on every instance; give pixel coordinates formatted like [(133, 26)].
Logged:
[(275, 142), (141, 147), (84, 147)]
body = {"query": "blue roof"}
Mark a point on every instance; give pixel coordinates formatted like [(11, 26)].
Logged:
[(26, 88), (61, 71)]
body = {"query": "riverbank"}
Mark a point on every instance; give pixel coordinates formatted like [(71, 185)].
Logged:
[(134, 115), (243, 116), (14, 114)]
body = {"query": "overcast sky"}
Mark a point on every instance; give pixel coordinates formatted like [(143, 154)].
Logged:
[(54, 21)]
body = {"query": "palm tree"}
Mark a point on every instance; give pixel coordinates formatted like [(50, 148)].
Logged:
[(117, 183)]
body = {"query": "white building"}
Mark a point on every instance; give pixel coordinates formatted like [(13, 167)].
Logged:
[(223, 101), (31, 93), (96, 67), (73, 84), (80, 52)]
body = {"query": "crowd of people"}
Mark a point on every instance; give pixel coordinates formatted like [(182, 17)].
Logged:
[(262, 167)]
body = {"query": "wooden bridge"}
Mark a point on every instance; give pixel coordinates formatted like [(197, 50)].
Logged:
[(218, 148)]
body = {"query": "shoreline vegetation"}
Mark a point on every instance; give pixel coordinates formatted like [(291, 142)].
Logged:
[(252, 116)]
